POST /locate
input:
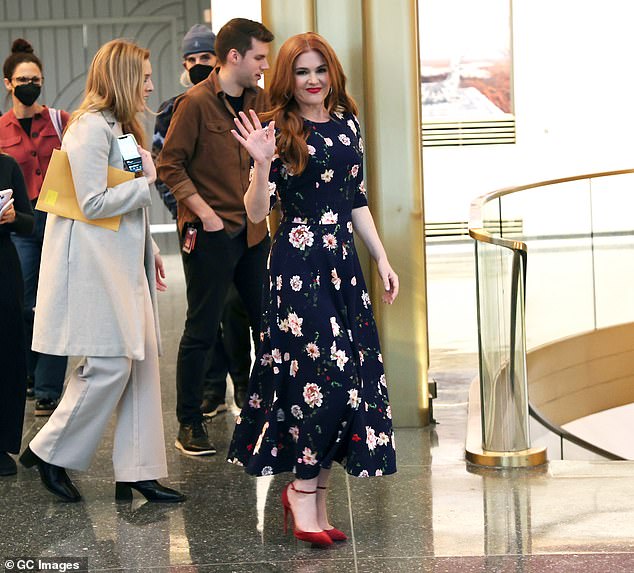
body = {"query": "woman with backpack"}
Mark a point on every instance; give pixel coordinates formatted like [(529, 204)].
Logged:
[(29, 132)]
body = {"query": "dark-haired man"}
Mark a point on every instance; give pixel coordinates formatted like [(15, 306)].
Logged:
[(208, 174), (231, 353)]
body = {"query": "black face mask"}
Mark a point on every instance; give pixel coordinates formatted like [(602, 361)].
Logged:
[(199, 72), (27, 93)]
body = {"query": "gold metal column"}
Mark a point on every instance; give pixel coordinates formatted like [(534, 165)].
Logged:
[(286, 18), (395, 188), (377, 42)]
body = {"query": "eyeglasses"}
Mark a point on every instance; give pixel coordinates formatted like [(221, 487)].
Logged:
[(23, 80)]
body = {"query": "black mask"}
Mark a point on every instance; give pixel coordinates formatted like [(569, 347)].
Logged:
[(27, 93), (199, 72)]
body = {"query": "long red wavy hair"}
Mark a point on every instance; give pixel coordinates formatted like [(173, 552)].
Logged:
[(291, 140)]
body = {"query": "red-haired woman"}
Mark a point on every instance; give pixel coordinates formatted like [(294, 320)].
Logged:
[(317, 393)]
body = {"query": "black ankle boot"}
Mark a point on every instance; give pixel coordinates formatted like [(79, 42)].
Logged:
[(54, 478), (152, 490)]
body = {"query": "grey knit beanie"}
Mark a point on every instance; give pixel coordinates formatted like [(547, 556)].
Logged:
[(198, 39)]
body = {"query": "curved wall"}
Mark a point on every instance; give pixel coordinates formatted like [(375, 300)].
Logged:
[(583, 374)]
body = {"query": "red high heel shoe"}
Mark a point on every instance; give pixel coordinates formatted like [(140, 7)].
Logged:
[(334, 533), (316, 537)]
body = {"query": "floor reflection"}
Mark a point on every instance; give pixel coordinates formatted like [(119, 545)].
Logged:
[(507, 509), (432, 516), (262, 486)]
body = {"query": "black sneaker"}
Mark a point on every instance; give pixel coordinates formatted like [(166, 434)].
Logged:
[(7, 465), (193, 440), (211, 407), (45, 407), (30, 390)]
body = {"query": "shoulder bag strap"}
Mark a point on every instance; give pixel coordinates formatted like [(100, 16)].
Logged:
[(56, 120)]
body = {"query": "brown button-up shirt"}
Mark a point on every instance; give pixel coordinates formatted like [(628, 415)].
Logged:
[(201, 156)]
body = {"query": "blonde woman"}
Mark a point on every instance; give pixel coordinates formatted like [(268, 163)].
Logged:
[(100, 300)]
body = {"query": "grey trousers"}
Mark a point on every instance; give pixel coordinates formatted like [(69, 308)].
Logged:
[(97, 388)]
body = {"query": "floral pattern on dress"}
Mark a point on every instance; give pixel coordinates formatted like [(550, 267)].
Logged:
[(318, 391)]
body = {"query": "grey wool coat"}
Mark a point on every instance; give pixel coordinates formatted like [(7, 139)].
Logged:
[(93, 281)]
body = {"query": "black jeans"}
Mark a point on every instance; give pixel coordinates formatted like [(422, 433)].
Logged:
[(217, 261), (232, 351), (48, 371), (12, 349)]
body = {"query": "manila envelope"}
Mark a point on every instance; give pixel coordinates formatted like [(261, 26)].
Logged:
[(58, 192)]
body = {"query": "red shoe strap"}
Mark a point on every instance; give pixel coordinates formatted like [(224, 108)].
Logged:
[(301, 491)]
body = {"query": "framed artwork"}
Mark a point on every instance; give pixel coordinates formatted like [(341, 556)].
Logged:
[(466, 72)]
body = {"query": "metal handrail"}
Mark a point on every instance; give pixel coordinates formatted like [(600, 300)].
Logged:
[(476, 228), (520, 249), (572, 438)]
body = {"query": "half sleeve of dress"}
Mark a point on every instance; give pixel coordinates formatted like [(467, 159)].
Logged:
[(278, 178), (360, 196)]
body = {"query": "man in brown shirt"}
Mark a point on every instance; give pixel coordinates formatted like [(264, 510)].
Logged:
[(208, 173)]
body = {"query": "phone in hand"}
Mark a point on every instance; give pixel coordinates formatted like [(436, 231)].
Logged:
[(130, 153), (6, 199)]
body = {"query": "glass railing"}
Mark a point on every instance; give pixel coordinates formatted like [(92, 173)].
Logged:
[(552, 262)]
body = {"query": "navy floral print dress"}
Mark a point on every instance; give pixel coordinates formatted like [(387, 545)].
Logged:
[(317, 392)]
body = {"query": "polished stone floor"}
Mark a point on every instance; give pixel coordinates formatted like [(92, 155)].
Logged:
[(435, 515)]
